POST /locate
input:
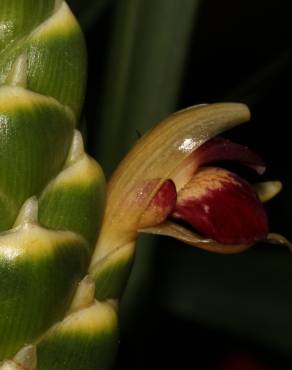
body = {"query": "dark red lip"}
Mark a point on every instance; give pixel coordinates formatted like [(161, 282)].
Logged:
[(222, 206)]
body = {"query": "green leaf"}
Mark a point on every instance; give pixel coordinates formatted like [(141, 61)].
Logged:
[(149, 43)]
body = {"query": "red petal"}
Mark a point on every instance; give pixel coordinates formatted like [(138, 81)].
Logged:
[(161, 205), (222, 206), (220, 149)]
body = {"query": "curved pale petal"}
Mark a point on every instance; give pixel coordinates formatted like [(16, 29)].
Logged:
[(275, 238), (189, 237), (158, 155)]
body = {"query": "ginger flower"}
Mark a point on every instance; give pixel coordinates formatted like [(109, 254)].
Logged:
[(168, 185)]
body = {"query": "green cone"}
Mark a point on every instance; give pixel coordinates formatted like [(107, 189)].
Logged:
[(51, 197)]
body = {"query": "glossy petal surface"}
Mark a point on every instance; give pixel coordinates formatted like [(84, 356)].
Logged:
[(222, 206)]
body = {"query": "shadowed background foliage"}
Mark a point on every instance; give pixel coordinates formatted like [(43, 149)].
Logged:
[(184, 307)]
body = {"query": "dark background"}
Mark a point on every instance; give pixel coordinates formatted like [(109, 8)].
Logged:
[(184, 308)]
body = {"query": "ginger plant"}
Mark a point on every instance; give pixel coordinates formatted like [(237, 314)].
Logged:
[(60, 282), (51, 196)]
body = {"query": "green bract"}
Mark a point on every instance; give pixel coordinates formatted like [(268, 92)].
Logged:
[(51, 197)]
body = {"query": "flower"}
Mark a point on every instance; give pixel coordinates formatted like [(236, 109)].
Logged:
[(163, 179), (215, 202)]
